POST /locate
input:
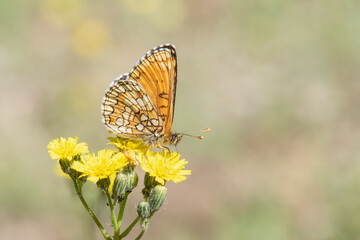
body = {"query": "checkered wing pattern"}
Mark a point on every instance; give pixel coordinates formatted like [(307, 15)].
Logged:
[(128, 110), (140, 104)]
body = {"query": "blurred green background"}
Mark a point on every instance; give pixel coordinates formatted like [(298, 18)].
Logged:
[(277, 82)]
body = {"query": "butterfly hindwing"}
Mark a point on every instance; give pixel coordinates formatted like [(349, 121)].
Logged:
[(156, 73), (128, 110)]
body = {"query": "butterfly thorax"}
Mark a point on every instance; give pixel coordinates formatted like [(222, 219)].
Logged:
[(158, 141)]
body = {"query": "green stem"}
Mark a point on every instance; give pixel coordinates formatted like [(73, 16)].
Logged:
[(115, 201), (121, 211), (129, 228), (113, 217), (144, 225), (88, 209), (141, 234)]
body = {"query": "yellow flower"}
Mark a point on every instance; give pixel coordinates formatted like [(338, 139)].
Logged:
[(164, 167), (106, 164), (128, 144), (66, 149), (129, 148)]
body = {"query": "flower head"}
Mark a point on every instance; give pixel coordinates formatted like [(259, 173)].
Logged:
[(106, 164), (129, 147), (66, 148), (164, 167), (128, 144)]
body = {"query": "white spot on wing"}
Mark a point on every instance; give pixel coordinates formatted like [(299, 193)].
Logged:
[(133, 101), (127, 102), (125, 115), (155, 122), (140, 127), (137, 88), (147, 102), (132, 116), (121, 89), (111, 94), (108, 109), (140, 102), (129, 86), (111, 100), (143, 118), (119, 121)]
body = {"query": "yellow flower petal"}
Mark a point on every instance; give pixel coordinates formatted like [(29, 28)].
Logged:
[(66, 148), (130, 148), (128, 144), (106, 164), (164, 167)]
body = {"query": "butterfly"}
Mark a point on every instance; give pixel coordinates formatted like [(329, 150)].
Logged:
[(140, 104)]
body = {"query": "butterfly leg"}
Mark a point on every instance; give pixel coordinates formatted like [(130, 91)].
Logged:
[(165, 150)]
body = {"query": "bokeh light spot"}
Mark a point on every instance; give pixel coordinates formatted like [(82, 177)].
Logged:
[(142, 7), (89, 38), (60, 12)]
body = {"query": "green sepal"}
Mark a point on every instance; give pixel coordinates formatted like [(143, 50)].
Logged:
[(131, 181), (157, 198), (119, 186), (104, 184), (143, 210)]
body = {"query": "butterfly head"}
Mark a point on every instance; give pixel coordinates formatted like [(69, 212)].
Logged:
[(175, 138)]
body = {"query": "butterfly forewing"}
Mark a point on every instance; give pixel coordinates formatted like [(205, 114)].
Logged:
[(156, 72)]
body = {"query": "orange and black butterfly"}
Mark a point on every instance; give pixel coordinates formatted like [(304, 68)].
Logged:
[(140, 104)]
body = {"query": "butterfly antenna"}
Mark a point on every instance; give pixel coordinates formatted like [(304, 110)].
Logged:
[(201, 130), (199, 137)]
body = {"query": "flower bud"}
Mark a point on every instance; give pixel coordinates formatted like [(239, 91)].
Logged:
[(131, 180), (143, 210), (157, 197), (119, 186)]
